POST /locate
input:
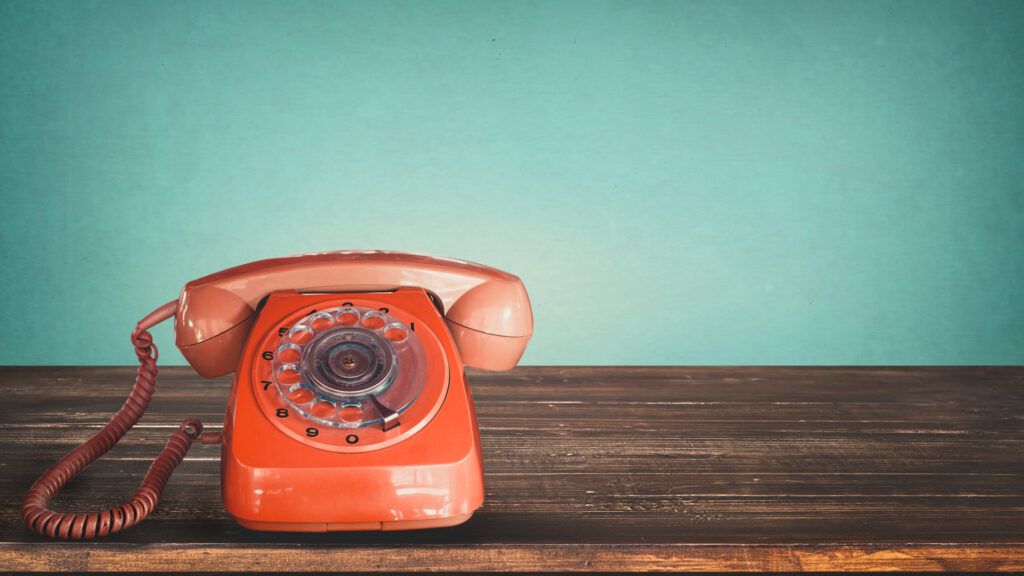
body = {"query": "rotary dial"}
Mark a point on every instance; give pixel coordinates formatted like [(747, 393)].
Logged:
[(350, 367)]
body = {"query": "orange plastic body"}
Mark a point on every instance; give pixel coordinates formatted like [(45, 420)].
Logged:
[(426, 472)]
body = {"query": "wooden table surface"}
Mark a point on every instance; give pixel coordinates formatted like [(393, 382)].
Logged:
[(589, 469)]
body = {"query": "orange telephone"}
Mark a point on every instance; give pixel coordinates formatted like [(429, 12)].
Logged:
[(350, 408)]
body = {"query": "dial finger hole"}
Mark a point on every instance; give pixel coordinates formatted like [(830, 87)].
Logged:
[(289, 374), (373, 320), (322, 321), (322, 409), (300, 334), (300, 395), (396, 332), (351, 413), (289, 353), (348, 317)]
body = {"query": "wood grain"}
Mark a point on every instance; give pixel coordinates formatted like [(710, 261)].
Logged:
[(591, 469)]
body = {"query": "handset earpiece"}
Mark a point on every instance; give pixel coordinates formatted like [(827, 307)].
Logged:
[(492, 324), (211, 327)]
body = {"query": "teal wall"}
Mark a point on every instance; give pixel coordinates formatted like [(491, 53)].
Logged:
[(677, 182)]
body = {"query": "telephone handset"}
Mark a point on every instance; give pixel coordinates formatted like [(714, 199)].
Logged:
[(349, 408)]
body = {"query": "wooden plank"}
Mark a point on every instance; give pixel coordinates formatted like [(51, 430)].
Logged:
[(591, 468), (505, 558)]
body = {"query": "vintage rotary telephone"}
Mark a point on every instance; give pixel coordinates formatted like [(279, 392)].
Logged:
[(349, 409)]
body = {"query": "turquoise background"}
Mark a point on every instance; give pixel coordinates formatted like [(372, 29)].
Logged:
[(677, 182)]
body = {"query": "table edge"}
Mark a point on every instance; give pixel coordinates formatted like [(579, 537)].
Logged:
[(121, 557)]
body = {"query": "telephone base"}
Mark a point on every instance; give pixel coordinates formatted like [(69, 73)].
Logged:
[(354, 526)]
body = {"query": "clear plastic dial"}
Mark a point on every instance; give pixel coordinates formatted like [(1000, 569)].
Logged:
[(350, 367)]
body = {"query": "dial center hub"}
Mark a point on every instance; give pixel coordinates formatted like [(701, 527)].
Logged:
[(349, 361)]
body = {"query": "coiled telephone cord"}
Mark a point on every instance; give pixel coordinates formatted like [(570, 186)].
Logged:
[(35, 509)]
